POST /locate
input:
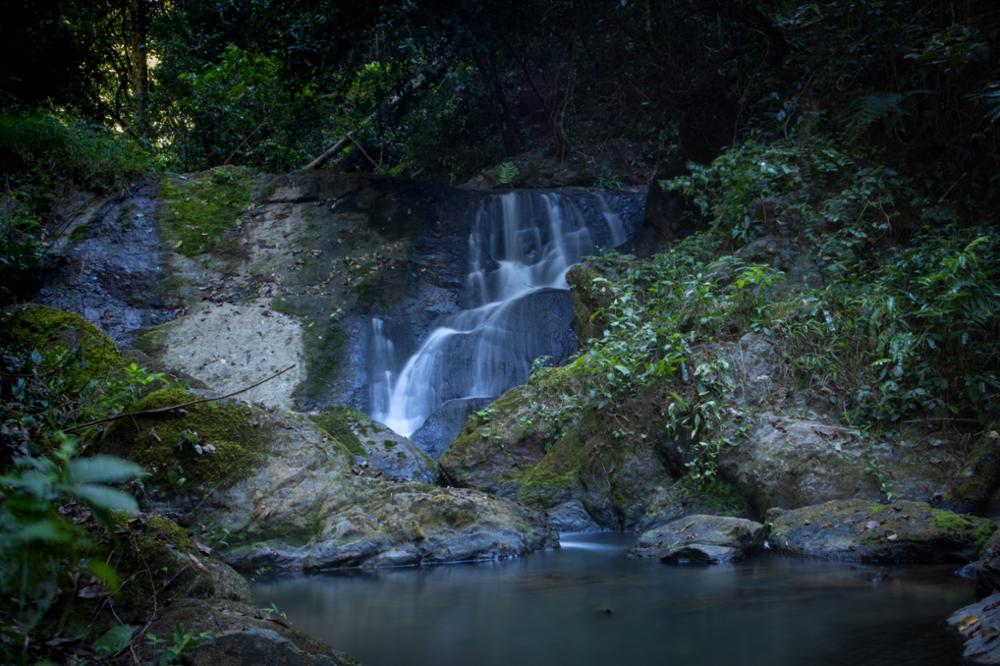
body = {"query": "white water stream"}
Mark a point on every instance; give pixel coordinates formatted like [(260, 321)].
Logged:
[(520, 245)]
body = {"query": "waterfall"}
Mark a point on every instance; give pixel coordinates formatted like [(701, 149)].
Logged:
[(520, 246)]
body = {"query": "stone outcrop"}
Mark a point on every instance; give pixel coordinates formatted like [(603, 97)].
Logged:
[(863, 531), (702, 539)]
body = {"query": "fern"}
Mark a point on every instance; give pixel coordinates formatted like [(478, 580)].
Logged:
[(872, 109)]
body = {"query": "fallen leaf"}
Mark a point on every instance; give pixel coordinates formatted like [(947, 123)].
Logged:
[(967, 623)]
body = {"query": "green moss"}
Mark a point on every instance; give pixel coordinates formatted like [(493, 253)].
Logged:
[(35, 327), (198, 214), (323, 355), (714, 494), (562, 464), (335, 421), (956, 525), (162, 443), (876, 508), (79, 233)]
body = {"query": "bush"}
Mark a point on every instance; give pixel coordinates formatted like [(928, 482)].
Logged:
[(43, 148)]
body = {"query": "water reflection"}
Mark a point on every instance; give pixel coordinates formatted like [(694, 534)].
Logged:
[(552, 608)]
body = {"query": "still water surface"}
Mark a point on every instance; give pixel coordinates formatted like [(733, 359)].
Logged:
[(549, 608)]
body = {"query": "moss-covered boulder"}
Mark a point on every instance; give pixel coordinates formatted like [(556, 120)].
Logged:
[(527, 446), (380, 524), (375, 446), (701, 539), (864, 531), (193, 448), (591, 288), (303, 502), (30, 328)]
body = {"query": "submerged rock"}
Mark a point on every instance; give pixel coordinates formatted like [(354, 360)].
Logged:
[(701, 539), (858, 530), (978, 625)]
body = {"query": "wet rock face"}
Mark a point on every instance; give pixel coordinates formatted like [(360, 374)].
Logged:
[(862, 531), (978, 625), (702, 539), (110, 263)]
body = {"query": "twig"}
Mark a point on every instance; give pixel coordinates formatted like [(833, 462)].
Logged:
[(170, 408)]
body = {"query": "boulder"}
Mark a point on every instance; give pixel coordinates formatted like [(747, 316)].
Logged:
[(864, 531), (303, 503), (237, 633), (702, 539), (789, 461), (987, 567), (978, 625), (377, 447)]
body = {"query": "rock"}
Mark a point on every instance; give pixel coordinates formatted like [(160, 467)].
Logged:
[(791, 462), (230, 346), (987, 567), (863, 531), (388, 525), (978, 625), (702, 539), (377, 447), (518, 450), (571, 516), (239, 634), (444, 425), (590, 286), (111, 267), (305, 505), (494, 447), (686, 497)]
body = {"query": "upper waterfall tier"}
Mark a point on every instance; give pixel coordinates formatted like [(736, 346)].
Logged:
[(520, 246)]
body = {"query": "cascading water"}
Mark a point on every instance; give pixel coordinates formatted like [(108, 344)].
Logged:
[(520, 246)]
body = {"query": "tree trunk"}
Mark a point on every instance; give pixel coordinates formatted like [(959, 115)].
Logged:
[(138, 31)]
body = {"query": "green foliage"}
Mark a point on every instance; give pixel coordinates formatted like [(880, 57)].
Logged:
[(507, 172), (39, 543), (170, 650), (239, 107), (44, 147)]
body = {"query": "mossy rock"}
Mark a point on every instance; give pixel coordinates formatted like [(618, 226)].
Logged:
[(232, 438), (155, 562), (198, 213), (37, 328), (335, 422), (899, 532)]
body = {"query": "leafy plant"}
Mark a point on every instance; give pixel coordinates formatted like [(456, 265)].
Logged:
[(39, 545), (171, 649)]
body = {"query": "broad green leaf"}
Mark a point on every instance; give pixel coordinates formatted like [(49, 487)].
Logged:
[(103, 469), (106, 573), (104, 498), (43, 530), (114, 640)]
